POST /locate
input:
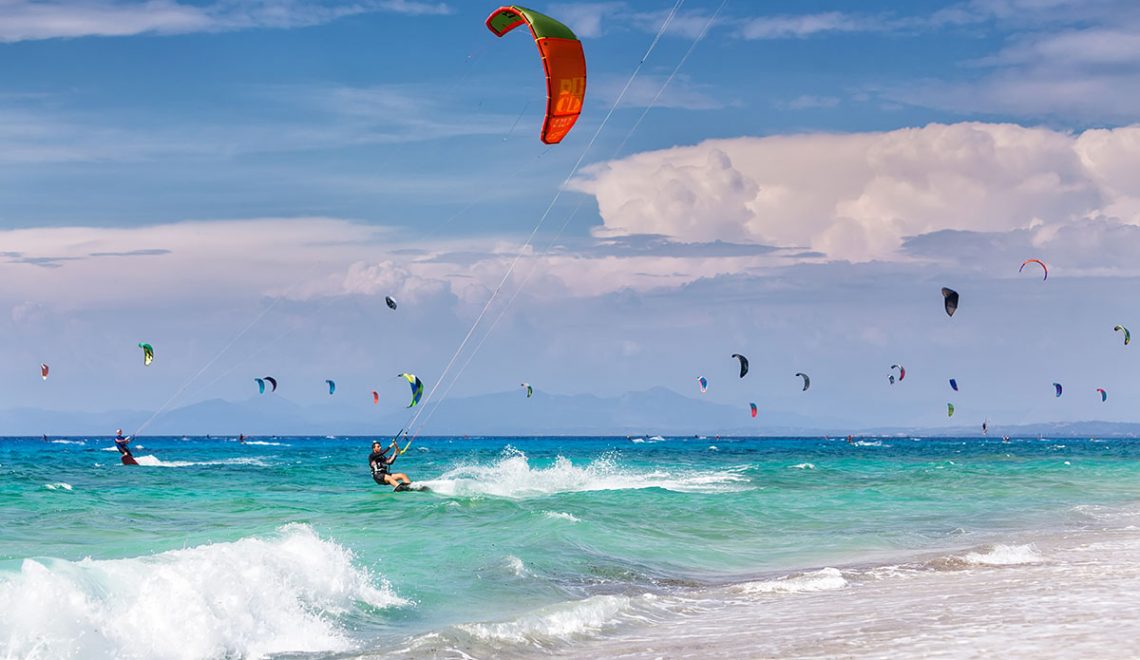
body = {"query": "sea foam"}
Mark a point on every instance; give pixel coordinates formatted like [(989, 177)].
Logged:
[(247, 598), (512, 476)]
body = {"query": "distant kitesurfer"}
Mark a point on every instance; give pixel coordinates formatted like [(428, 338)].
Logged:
[(122, 442), (379, 461), (241, 438), (850, 439)]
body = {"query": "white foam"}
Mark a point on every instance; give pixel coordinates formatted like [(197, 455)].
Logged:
[(154, 461), (58, 486), (558, 515), (869, 443), (247, 598), (559, 622), (264, 443), (512, 476), (825, 579), (803, 466), (67, 442), (1005, 555), (516, 566)]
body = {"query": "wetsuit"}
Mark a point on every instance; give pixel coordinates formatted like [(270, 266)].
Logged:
[(379, 462), (121, 445)]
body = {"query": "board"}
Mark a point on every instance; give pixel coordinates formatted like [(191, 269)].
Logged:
[(129, 460), (411, 487)]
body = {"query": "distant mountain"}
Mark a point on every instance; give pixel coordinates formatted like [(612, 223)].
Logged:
[(655, 411)]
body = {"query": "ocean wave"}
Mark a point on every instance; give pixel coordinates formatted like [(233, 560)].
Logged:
[(559, 515), (58, 486), (825, 579), (803, 466), (264, 443), (246, 598), (68, 442), (512, 476), (154, 461), (1005, 555), (558, 622), (869, 443)]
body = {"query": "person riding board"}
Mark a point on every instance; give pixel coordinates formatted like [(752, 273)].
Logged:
[(379, 461), (122, 442)]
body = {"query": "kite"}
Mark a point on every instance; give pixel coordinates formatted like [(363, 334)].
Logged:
[(950, 300), (1127, 335), (529, 389), (704, 383), (375, 396), (272, 383), (1103, 394), (417, 387), (1058, 388), (807, 381), (949, 410), (753, 406), (902, 373), (1035, 261), (332, 387), (260, 385), (743, 363), (391, 303), (954, 384), (43, 371), (148, 353), (563, 60)]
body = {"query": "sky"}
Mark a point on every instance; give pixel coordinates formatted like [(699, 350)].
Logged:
[(241, 184)]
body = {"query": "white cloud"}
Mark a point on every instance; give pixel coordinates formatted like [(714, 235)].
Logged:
[(25, 20), (806, 25), (858, 196)]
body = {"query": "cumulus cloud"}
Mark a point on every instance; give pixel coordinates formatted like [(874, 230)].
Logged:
[(859, 196)]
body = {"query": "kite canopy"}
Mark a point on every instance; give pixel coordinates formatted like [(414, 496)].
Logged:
[(563, 60), (986, 427), (148, 353), (753, 406), (949, 410), (902, 373), (950, 300), (260, 385), (272, 383), (417, 387), (704, 383), (390, 302), (807, 381), (375, 396), (332, 387), (1103, 394), (1127, 335), (743, 363), (44, 371), (1035, 261), (954, 384), (1057, 386), (529, 389)]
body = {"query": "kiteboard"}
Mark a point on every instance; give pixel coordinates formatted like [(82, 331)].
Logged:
[(411, 487), (129, 460)]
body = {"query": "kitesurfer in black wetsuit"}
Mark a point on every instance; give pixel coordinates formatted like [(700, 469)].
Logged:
[(378, 462)]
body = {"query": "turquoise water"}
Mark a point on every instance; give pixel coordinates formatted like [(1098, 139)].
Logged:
[(215, 548)]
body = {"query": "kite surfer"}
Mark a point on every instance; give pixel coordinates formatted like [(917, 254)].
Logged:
[(379, 461), (121, 443)]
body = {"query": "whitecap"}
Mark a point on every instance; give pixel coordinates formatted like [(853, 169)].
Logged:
[(248, 598), (825, 579), (1005, 555)]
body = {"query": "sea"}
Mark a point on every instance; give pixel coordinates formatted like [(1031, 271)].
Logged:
[(584, 547)]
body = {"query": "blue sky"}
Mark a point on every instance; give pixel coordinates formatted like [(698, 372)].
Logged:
[(257, 176)]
